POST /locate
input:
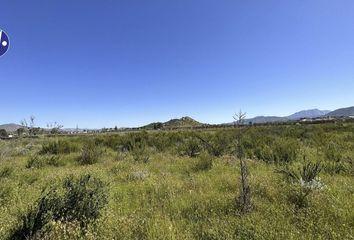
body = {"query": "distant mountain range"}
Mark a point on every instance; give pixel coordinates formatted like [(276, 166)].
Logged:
[(312, 113), (190, 122)]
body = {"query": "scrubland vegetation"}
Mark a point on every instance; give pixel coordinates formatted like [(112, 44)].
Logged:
[(180, 184)]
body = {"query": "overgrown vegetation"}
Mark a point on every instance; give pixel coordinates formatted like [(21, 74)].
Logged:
[(58, 147), (305, 180), (79, 200), (180, 184), (204, 163), (40, 161), (90, 153)]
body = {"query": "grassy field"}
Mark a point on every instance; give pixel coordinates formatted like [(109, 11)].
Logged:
[(180, 185)]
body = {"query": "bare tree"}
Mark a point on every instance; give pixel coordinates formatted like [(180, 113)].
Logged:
[(245, 193), (24, 123), (55, 127), (30, 126)]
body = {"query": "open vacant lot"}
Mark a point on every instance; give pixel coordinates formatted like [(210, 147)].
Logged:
[(180, 184)]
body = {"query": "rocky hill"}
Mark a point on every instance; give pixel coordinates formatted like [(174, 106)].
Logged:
[(174, 123)]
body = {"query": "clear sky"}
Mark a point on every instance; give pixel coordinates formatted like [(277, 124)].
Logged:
[(131, 62)]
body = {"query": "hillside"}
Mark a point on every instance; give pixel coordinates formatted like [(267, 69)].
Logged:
[(342, 112), (312, 113), (182, 122), (10, 127), (265, 119), (174, 123)]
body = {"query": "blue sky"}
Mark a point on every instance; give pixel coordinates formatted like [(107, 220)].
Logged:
[(131, 62)]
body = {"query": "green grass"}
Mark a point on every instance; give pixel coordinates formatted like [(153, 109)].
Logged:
[(174, 196)]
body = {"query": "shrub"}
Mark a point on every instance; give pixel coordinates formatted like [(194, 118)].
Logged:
[(3, 133), (58, 147), (333, 152), (54, 161), (84, 198), (79, 200), (264, 153), (46, 209), (334, 161), (334, 167), (136, 144), (280, 150), (129, 141), (218, 144), (140, 152), (90, 154), (204, 163), (285, 150), (6, 172), (160, 141), (38, 161), (5, 193), (304, 180), (190, 147)]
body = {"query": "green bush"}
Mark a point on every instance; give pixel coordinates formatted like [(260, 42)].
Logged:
[(264, 153), (36, 161), (140, 152), (54, 161), (129, 141), (90, 154), (5, 193), (6, 171), (137, 146), (40, 161), (304, 180), (334, 162), (190, 147), (333, 152), (217, 144), (204, 163), (3, 133), (332, 167), (46, 209), (285, 150), (58, 147), (84, 198), (160, 141), (78, 200)]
